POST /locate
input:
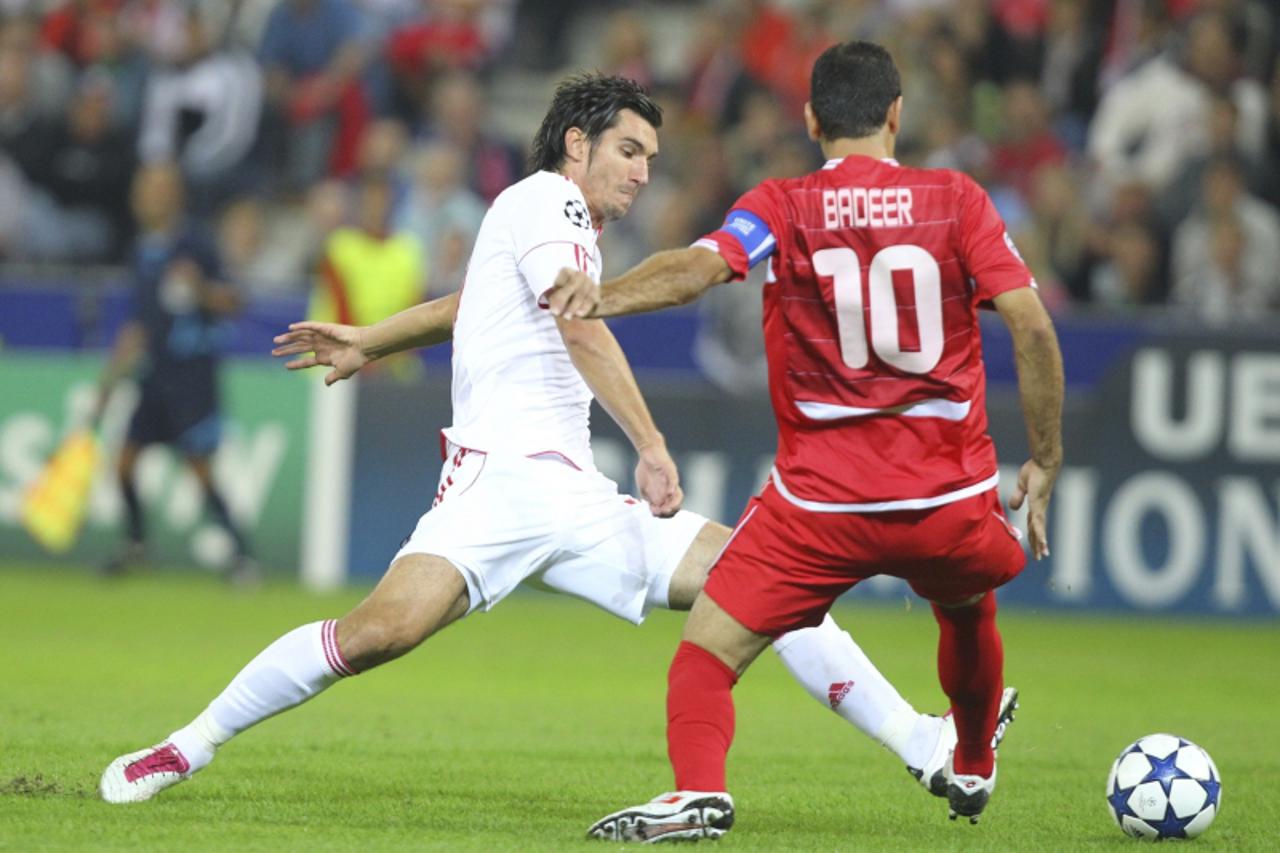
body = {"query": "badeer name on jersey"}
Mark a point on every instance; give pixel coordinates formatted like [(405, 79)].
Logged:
[(866, 207)]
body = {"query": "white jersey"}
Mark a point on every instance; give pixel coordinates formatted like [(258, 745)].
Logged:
[(515, 389)]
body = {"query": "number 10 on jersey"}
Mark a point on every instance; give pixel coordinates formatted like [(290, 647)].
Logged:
[(844, 268)]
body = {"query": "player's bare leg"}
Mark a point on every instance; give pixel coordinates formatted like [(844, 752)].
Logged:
[(837, 674), (418, 596), (690, 575), (970, 668)]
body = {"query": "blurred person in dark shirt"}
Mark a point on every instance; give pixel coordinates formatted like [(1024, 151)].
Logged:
[(80, 163), (172, 343), (458, 116), (203, 106), (313, 53)]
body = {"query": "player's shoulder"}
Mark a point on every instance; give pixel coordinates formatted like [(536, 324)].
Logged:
[(926, 177), (538, 188), (543, 197)]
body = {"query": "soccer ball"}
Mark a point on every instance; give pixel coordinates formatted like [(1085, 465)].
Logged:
[(1163, 786)]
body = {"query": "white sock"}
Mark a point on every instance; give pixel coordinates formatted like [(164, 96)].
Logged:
[(835, 671), (286, 673)]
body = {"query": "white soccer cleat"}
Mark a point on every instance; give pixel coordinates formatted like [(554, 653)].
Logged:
[(678, 816), (933, 775), (141, 775), (968, 795)]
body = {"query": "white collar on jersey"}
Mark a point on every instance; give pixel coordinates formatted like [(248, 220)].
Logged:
[(831, 164)]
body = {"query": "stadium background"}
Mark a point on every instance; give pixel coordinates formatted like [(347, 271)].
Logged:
[(1151, 234), (1131, 145)]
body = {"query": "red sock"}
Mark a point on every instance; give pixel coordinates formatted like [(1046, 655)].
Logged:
[(699, 718), (970, 667)]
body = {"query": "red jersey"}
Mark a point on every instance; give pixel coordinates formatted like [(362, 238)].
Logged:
[(875, 276)]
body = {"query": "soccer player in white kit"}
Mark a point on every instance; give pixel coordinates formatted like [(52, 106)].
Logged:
[(519, 495)]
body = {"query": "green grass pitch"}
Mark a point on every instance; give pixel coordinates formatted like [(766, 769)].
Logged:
[(517, 728)]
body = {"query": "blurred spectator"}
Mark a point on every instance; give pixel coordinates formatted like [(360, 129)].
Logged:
[(157, 26), (385, 16), (257, 254), (1255, 21), (1027, 142), (368, 272), (542, 25), (1016, 37), (82, 165), (442, 35), (313, 52), (1128, 274), (1226, 255), (445, 35), (1139, 31), (1061, 229), (1223, 135), (717, 81), (44, 77), (277, 248), (203, 111), (443, 214), (1069, 70), (627, 48), (19, 113), (765, 38), (458, 117), (1272, 154), (1151, 123), (382, 146), (951, 144), (64, 28), (939, 81), (752, 141), (114, 52), (13, 204), (729, 348), (93, 33), (779, 47)]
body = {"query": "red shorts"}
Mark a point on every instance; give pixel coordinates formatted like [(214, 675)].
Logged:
[(785, 566)]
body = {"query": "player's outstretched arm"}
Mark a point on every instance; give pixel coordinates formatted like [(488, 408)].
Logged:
[(598, 357), (348, 348), (1040, 385), (662, 280)]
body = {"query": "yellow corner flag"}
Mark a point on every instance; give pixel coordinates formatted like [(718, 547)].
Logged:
[(53, 506)]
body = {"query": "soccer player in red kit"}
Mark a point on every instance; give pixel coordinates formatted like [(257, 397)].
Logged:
[(875, 276)]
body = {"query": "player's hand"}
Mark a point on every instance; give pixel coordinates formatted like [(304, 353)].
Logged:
[(331, 344), (1035, 484), (658, 480), (573, 295)]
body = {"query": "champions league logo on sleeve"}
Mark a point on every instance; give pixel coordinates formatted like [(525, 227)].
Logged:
[(576, 212)]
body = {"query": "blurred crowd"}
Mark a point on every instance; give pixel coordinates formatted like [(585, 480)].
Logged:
[(1132, 146)]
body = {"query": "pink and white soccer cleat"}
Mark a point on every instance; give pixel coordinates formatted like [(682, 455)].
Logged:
[(679, 816), (141, 775)]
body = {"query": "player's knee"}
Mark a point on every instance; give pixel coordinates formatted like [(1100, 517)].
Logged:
[(368, 639)]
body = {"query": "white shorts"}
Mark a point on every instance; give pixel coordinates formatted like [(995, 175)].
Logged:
[(502, 519)]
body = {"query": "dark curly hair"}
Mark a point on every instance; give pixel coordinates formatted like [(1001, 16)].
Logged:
[(591, 103), (852, 87)]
